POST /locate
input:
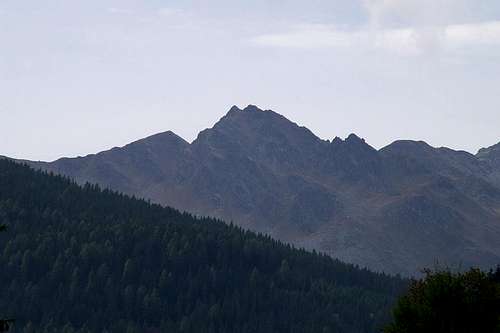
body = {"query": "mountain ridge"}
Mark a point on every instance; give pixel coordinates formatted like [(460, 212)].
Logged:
[(342, 197)]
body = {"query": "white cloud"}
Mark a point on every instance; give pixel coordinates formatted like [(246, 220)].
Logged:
[(120, 11), (309, 36), (469, 34), (403, 41)]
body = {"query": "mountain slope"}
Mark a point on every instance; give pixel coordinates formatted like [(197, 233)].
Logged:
[(491, 158), (397, 210), (85, 260)]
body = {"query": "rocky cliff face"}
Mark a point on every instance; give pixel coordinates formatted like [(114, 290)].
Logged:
[(400, 209)]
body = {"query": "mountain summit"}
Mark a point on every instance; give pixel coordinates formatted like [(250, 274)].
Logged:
[(398, 209)]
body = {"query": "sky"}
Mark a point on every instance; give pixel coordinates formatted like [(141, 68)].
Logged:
[(78, 77)]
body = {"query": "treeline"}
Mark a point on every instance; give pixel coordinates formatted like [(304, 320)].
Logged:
[(445, 301), (82, 259)]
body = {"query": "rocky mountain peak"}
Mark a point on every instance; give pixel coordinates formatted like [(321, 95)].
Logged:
[(337, 141), (160, 140), (252, 108), (235, 108), (490, 153), (409, 148), (252, 124), (353, 138)]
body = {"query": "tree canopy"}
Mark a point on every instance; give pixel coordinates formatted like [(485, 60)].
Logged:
[(447, 302)]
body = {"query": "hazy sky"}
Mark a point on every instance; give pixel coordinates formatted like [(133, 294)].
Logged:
[(77, 77)]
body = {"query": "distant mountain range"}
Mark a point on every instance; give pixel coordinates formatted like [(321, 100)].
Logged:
[(398, 209)]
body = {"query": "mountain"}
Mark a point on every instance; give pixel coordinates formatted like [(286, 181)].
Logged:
[(491, 158), (82, 259), (399, 209)]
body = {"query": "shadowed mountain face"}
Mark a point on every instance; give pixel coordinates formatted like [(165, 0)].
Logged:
[(491, 158), (399, 209)]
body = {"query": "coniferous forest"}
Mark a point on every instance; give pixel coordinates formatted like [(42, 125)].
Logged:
[(82, 259)]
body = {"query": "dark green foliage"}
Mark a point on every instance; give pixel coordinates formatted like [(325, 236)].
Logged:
[(5, 324), (446, 302), (90, 260)]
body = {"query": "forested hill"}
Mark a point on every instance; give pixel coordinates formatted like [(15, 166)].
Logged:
[(88, 260)]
